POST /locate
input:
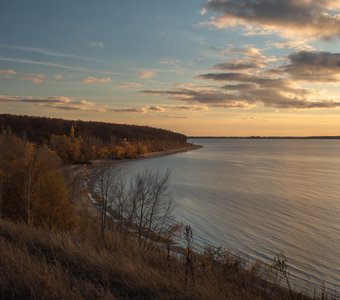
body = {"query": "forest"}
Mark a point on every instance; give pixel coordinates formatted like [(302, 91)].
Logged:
[(80, 141)]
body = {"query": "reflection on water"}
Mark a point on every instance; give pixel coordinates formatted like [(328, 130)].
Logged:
[(262, 197)]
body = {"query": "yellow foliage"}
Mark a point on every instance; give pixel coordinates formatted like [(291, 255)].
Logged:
[(118, 152), (34, 188), (51, 206), (104, 152), (67, 148), (142, 148), (130, 150)]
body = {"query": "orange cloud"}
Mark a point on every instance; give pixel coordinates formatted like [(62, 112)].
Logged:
[(7, 72), (146, 74), (289, 18)]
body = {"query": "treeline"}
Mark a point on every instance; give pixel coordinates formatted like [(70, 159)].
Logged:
[(81, 141)]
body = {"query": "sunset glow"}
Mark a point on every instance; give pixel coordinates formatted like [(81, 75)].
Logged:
[(215, 67)]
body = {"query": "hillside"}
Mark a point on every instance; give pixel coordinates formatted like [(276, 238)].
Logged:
[(58, 240), (80, 141), (38, 129), (39, 264)]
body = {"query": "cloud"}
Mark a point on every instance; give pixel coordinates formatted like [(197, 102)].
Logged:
[(129, 85), (90, 80), (53, 65), (246, 51), (269, 97), (59, 102), (97, 44), (245, 58), (289, 18), (158, 109), (313, 66), (146, 74), (155, 108), (71, 104), (187, 108), (7, 72), (239, 65), (213, 98), (271, 92), (176, 117), (50, 52), (278, 87), (128, 110), (299, 45), (35, 78), (203, 11)]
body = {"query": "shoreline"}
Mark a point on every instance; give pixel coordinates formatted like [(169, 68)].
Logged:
[(87, 173), (108, 162), (98, 165)]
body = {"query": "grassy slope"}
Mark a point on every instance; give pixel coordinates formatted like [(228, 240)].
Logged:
[(36, 264)]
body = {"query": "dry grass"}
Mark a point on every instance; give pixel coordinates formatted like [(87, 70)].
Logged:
[(39, 264)]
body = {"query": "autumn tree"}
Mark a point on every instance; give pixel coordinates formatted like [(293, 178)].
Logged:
[(33, 188), (51, 207), (68, 149), (129, 149)]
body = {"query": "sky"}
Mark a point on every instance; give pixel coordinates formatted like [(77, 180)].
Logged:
[(214, 67)]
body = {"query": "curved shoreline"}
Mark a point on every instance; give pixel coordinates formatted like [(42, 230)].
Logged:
[(99, 165), (105, 162)]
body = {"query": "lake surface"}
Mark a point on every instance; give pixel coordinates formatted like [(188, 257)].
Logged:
[(262, 197)]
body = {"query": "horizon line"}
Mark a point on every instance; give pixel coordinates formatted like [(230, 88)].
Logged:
[(266, 137)]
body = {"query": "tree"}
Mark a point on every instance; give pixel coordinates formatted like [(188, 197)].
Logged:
[(33, 188), (142, 205), (106, 187), (280, 264), (52, 207), (68, 149), (149, 208)]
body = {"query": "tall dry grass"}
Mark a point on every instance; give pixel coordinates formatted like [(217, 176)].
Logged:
[(40, 264)]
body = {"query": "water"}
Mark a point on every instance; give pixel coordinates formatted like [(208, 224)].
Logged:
[(262, 197)]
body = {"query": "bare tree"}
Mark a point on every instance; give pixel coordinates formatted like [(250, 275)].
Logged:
[(151, 208), (141, 205), (117, 197), (188, 236), (280, 264), (105, 186), (112, 195)]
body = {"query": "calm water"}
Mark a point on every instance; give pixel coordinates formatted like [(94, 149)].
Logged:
[(261, 197)]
